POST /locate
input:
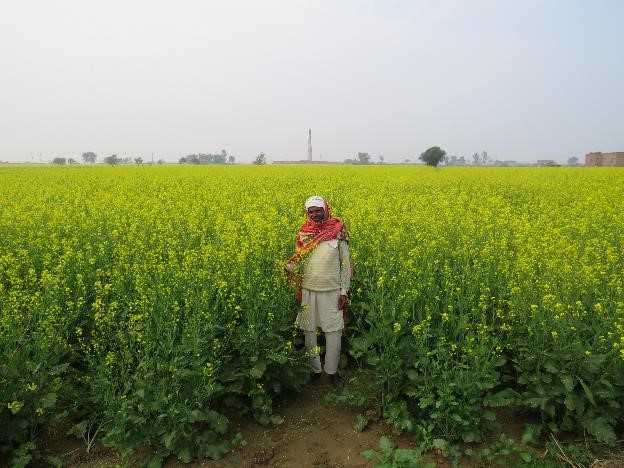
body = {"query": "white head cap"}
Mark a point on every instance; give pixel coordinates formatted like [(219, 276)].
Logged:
[(315, 201)]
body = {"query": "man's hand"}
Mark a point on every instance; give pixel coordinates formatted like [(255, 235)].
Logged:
[(342, 302)]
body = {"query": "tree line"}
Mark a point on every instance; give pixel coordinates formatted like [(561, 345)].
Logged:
[(90, 157), (201, 158), (433, 156)]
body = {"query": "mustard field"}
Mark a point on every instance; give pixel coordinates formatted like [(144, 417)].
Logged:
[(146, 305)]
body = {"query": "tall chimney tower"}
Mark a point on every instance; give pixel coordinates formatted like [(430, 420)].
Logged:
[(309, 144)]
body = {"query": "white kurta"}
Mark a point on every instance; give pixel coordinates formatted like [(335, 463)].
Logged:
[(328, 267)]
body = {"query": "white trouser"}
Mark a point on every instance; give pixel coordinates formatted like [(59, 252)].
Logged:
[(332, 351)]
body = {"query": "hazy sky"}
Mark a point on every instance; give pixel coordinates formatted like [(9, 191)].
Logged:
[(524, 80)]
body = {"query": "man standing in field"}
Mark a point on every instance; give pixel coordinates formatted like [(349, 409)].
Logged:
[(322, 255)]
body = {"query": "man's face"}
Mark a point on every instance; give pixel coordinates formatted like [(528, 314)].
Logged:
[(316, 213)]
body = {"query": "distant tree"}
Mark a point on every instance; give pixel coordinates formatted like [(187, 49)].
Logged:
[(190, 159), (446, 160), (573, 161), (89, 157), (476, 158), (433, 156), (260, 159), (363, 158), (182, 160), (381, 159), (113, 160), (59, 161), (231, 159), (484, 157), (138, 161), (407, 160), (126, 160), (72, 161), (220, 158), (461, 161), (350, 161)]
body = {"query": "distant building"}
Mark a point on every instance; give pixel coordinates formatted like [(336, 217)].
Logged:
[(547, 163), (604, 159), (593, 159)]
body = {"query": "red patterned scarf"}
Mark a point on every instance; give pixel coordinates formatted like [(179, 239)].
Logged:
[(311, 233)]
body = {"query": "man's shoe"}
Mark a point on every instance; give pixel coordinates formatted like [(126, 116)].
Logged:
[(336, 380), (313, 377)]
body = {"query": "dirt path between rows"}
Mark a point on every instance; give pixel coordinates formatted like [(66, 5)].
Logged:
[(315, 433)]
